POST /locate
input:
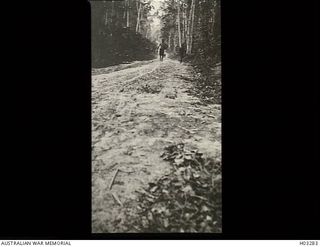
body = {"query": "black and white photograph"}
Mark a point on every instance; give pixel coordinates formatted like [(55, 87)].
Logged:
[(130, 122), (156, 116)]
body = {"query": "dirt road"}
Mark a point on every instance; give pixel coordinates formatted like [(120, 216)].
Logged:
[(137, 110)]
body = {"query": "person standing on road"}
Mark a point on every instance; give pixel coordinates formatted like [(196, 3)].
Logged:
[(162, 47), (182, 51)]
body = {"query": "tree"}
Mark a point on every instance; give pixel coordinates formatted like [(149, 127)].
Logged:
[(179, 22), (197, 23), (119, 31)]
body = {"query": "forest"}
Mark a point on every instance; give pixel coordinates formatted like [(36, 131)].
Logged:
[(120, 32), (123, 30), (197, 25)]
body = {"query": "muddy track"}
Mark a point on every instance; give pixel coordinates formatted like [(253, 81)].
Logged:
[(136, 111)]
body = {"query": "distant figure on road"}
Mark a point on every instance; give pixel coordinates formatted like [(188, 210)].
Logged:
[(162, 47), (182, 51)]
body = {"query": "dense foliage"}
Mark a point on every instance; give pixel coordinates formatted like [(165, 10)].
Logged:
[(196, 24), (120, 31), (188, 199)]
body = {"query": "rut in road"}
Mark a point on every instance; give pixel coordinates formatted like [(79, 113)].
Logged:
[(137, 110)]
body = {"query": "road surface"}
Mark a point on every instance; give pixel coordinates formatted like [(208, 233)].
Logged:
[(137, 110)]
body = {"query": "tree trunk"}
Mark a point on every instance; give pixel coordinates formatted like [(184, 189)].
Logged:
[(112, 11), (125, 10), (189, 30), (182, 28), (192, 25), (179, 26), (128, 13), (138, 18), (185, 25)]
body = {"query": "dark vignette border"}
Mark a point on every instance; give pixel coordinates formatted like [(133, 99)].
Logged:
[(269, 92)]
